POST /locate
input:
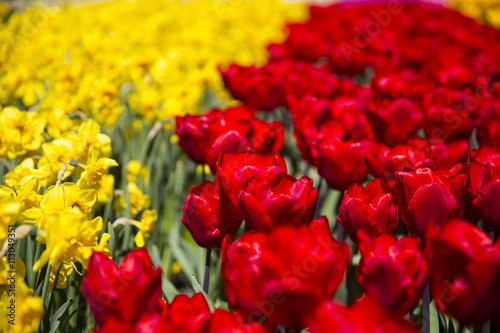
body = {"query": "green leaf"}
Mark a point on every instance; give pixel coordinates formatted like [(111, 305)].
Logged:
[(111, 241), (55, 320), (168, 288), (197, 288), (434, 318), (177, 251)]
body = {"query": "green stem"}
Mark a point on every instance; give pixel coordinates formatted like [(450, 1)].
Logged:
[(318, 204), (206, 280), (426, 327), (46, 282)]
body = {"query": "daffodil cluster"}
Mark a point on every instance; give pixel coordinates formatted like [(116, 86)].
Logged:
[(483, 10), (158, 58), (14, 293), (54, 187), (137, 179)]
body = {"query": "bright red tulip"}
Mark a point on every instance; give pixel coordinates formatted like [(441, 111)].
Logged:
[(204, 218), (342, 163), (395, 122), (124, 293), (233, 170), (285, 274), (425, 199), (183, 314), (366, 315), (464, 270), (203, 138), (368, 209), (393, 271), (281, 200), (225, 321)]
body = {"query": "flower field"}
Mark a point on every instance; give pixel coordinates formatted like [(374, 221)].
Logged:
[(250, 166)]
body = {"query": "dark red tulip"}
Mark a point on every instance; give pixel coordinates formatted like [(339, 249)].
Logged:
[(342, 163), (489, 130), (204, 218), (459, 186), (395, 122), (447, 124), (336, 318), (464, 270), (425, 200), (393, 271), (286, 274), (124, 293), (485, 154), (367, 209), (282, 200), (485, 188)]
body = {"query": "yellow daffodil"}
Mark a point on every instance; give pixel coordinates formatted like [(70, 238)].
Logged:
[(61, 271), (28, 309), (106, 189), (137, 173), (147, 224), (20, 132), (138, 200), (58, 198), (96, 168), (70, 237), (56, 154), (10, 212), (26, 168), (27, 192)]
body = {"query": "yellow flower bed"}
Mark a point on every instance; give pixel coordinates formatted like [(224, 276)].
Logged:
[(483, 10), (157, 57)]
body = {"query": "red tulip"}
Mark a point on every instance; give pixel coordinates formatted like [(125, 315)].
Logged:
[(485, 187), (204, 218), (366, 315), (464, 270), (459, 186), (486, 153), (425, 199), (489, 130), (395, 122), (257, 87), (392, 270), (125, 293), (446, 155), (224, 321), (342, 163), (447, 124), (367, 209), (183, 314), (304, 43), (203, 138), (233, 170), (285, 274), (282, 200)]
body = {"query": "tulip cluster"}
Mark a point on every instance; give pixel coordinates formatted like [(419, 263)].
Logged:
[(399, 147), (128, 299)]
